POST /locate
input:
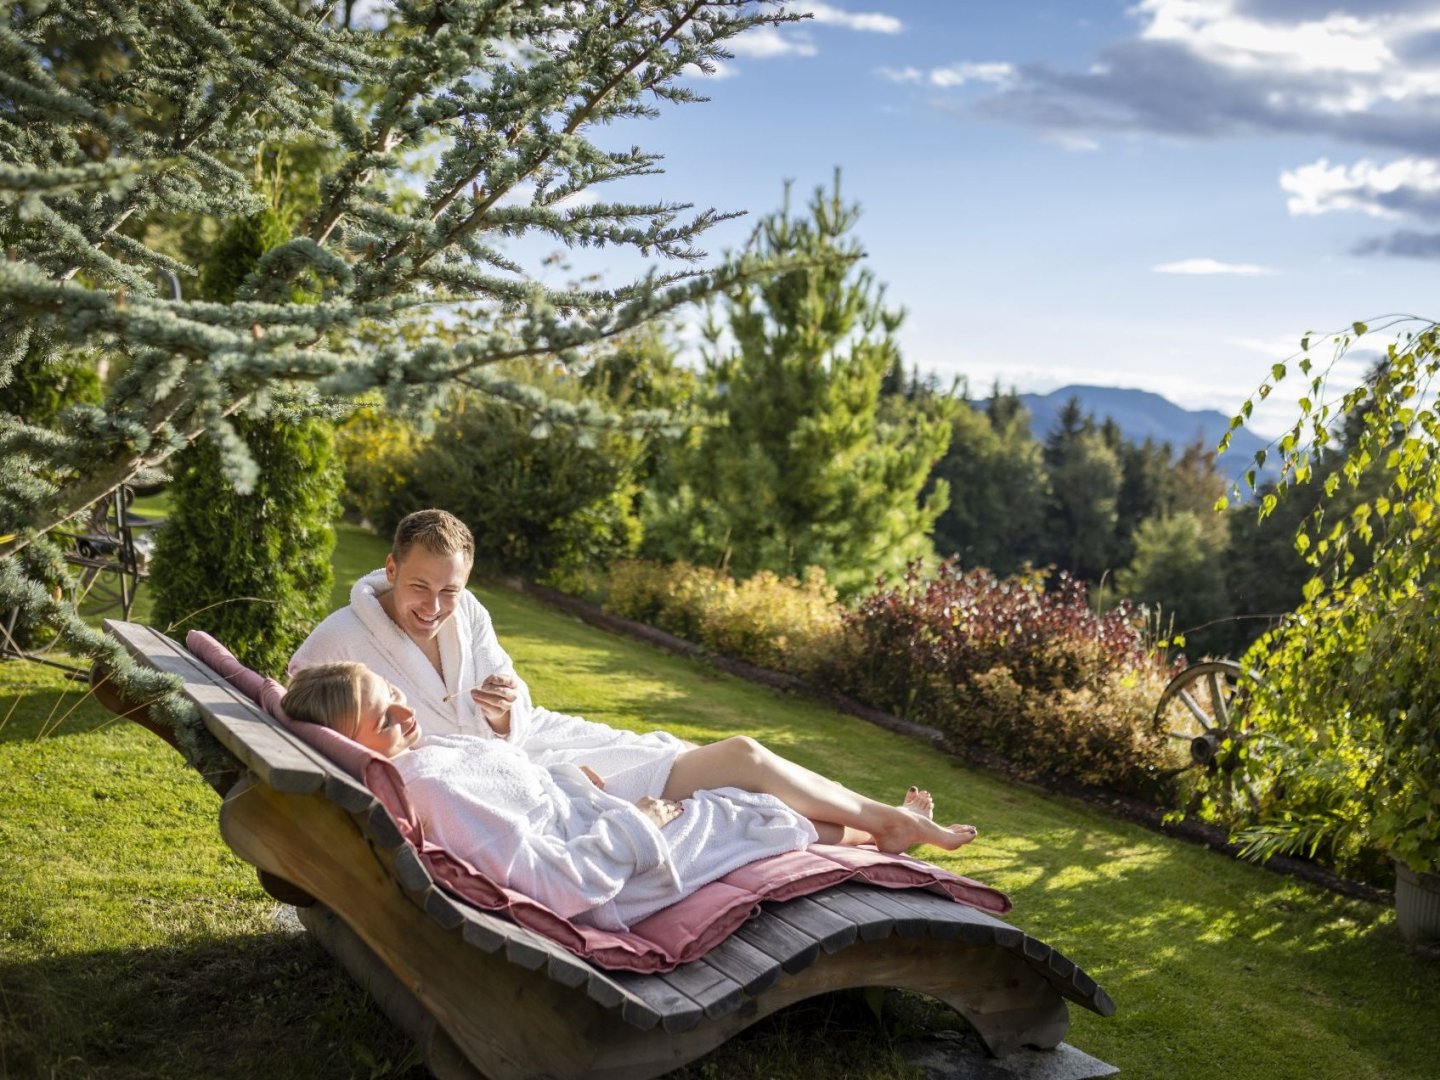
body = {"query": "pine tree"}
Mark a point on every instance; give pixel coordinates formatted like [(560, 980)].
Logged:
[(998, 488), (1084, 474), (125, 125), (807, 469)]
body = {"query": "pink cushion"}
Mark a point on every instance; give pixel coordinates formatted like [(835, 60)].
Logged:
[(679, 933)]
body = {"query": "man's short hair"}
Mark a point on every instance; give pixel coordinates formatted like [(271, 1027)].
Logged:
[(437, 531)]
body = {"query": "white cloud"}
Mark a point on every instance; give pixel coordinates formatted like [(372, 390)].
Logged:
[(1406, 185), (901, 75), (766, 42), (1217, 32), (719, 70), (873, 22), (954, 75), (1277, 347), (1210, 266), (1067, 141), (960, 74), (1361, 73)]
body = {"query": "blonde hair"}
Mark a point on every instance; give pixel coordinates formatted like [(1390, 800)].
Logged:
[(327, 694), (437, 531)]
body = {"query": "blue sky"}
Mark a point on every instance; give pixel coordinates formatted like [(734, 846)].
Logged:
[(1164, 194)]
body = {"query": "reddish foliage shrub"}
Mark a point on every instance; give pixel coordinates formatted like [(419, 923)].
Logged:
[(1012, 666)]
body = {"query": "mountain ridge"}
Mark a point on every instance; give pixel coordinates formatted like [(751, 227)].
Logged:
[(1144, 414)]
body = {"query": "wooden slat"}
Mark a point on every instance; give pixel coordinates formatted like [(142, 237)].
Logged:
[(409, 871), (484, 931), (440, 907), (833, 931), (872, 925), (345, 791), (752, 969), (794, 950), (242, 728), (712, 990), (908, 919), (378, 825), (678, 1012)]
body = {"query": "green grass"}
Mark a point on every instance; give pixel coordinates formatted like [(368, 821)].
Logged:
[(132, 943)]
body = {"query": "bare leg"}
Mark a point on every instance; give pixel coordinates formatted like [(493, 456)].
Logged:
[(846, 816)]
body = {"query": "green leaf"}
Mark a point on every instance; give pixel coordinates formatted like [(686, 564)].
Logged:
[(1360, 329), (1277, 371)]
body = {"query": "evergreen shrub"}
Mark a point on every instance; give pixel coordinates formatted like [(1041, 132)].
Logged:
[(262, 587), (543, 501), (1009, 665)]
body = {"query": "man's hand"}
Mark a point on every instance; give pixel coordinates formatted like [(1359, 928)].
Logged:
[(495, 696), (660, 811), (593, 776)]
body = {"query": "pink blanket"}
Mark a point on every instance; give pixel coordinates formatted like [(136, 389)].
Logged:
[(666, 939)]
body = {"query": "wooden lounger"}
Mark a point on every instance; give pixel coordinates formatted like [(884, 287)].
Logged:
[(486, 997)]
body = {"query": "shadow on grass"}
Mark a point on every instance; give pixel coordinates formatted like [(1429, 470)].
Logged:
[(272, 1005), (51, 713)]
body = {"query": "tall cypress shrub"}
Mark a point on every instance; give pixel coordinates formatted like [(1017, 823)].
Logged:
[(252, 569)]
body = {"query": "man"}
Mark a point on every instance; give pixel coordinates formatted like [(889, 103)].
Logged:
[(415, 624)]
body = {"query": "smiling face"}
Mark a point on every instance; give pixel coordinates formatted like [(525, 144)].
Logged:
[(386, 724), (426, 586)]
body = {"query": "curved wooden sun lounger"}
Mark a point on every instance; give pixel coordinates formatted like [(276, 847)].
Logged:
[(484, 996)]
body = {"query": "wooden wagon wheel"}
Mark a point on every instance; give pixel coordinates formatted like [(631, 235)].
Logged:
[(1203, 708)]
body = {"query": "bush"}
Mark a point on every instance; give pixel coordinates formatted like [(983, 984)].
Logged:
[(1000, 663), (377, 452), (775, 622), (541, 503), (253, 569), (1011, 666)]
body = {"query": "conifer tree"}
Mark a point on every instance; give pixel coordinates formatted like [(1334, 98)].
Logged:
[(1084, 476), (806, 469), (498, 100), (998, 488)]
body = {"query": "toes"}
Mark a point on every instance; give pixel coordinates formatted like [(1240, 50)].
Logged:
[(964, 833)]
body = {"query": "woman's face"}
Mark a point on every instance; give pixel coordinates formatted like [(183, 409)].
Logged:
[(387, 725)]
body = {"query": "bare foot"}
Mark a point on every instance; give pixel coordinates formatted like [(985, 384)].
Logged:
[(908, 828), (918, 800)]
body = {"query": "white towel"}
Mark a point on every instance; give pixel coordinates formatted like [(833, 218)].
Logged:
[(589, 856), (632, 765)]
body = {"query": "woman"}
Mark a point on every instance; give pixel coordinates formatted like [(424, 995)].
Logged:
[(554, 833)]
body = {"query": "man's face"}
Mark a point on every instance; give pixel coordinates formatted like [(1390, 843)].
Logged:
[(426, 588)]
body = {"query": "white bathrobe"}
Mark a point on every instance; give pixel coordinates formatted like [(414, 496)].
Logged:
[(591, 857), (631, 765)]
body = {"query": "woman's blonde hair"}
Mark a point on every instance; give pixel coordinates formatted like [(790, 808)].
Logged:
[(327, 694)]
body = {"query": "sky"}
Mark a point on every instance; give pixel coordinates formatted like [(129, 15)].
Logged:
[(1163, 194)]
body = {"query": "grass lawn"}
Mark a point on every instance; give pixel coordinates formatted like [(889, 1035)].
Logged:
[(133, 944)]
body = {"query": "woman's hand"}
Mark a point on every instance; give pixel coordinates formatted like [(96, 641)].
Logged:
[(494, 696), (660, 811), (593, 776)]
